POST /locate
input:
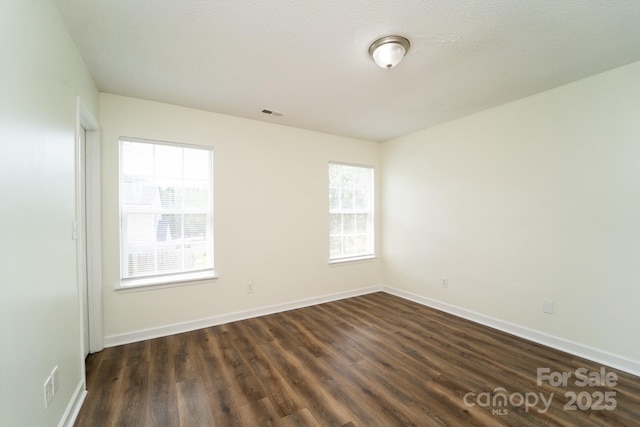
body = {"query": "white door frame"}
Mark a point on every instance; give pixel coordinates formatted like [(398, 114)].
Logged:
[(86, 121)]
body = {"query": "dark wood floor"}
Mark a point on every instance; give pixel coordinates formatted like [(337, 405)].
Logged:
[(374, 360)]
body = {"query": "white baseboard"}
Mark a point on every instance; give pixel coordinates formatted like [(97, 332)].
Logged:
[(162, 331), (577, 349), (73, 408)]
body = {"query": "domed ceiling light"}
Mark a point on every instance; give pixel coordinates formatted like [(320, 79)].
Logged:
[(388, 51)]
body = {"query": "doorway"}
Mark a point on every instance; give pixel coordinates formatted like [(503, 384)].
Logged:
[(87, 229), (81, 236)]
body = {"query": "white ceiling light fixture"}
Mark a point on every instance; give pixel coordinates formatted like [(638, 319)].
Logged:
[(388, 51)]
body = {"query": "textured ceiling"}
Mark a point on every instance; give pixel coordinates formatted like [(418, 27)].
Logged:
[(309, 59)]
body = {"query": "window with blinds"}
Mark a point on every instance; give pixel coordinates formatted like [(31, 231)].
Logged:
[(351, 225), (166, 212)]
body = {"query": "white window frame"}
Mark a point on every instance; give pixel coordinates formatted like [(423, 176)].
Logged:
[(370, 253), (170, 279)]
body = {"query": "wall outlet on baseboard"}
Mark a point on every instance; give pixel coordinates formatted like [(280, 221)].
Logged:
[(51, 386), (48, 391), (250, 288), (444, 282), (55, 378)]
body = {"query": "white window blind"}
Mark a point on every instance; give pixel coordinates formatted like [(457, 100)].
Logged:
[(351, 204), (166, 209)]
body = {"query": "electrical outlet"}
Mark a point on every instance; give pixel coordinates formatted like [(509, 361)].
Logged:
[(48, 391), (547, 306), (250, 288), (445, 282), (55, 378)]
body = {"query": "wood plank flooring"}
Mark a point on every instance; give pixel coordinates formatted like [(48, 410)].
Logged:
[(373, 360)]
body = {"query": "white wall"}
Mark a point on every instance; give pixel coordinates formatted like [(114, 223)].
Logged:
[(271, 214), (40, 76), (539, 198)]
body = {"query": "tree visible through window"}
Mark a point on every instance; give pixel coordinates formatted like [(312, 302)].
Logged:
[(166, 209), (351, 211)]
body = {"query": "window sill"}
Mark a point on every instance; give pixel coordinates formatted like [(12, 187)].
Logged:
[(170, 281), (351, 260)]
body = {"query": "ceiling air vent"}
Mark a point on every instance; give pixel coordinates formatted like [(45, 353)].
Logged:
[(273, 113)]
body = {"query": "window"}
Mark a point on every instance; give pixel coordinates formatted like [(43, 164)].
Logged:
[(166, 212), (351, 212)]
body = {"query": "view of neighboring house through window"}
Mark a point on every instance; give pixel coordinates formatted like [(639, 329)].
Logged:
[(166, 210), (351, 212)]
